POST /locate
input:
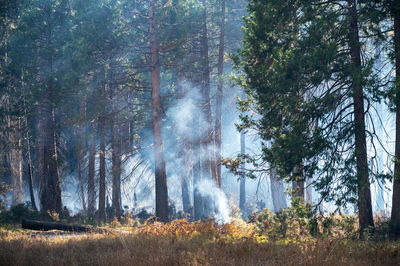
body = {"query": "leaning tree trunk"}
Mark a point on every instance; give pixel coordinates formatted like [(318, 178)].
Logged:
[(159, 160), (363, 183), (395, 218), (220, 94)]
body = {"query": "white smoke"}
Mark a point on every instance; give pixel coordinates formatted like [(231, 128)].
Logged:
[(208, 189)]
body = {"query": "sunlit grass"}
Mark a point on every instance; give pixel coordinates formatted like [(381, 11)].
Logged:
[(184, 243)]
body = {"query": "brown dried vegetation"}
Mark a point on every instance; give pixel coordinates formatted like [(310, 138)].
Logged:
[(184, 243)]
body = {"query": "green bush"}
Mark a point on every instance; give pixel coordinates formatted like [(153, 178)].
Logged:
[(18, 212)]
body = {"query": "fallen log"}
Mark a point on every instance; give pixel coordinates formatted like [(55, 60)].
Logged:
[(46, 226)]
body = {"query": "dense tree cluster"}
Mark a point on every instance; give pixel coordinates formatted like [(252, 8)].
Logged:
[(87, 85), (85, 82), (312, 74)]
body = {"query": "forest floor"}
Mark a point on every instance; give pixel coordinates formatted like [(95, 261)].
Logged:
[(184, 243)]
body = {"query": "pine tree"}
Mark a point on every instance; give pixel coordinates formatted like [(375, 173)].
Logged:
[(311, 48)]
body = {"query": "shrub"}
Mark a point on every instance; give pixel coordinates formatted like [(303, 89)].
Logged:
[(128, 220), (18, 212), (300, 220)]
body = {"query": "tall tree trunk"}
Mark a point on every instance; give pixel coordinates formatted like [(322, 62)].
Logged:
[(80, 154), (208, 167), (102, 164), (185, 152), (187, 169), (277, 191), (208, 162), (28, 149), (15, 160), (395, 218), (30, 180), (91, 170), (116, 161), (15, 150), (363, 183), (220, 93), (242, 196), (29, 166), (185, 195), (159, 160), (50, 187), (198, 206)]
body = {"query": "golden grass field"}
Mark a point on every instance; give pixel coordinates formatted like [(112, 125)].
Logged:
[(184, 243)]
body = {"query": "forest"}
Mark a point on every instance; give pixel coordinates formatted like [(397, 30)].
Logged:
[(199, 132)]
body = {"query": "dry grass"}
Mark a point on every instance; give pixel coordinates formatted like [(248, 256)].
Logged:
[(182, 243)]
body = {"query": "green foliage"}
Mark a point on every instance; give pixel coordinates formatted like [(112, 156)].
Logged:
[(18, 212), (296, 69), (300, 221), (295, 221)]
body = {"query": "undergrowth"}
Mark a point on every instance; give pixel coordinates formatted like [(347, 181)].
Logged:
[(294, 236), (184, 243)]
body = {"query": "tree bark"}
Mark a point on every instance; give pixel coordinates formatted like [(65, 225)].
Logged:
[(220, 94), (187, 174), (28, 151), (50, 190), (50, 187), (208, 163), (102, 164), (185, 152), (46, 226), (80, 154), (185, 195), (29, 166), (91, 170), (363, 183), (277, 191), (198, 206), (395, 216), (116, 158), (15, 160), (30, 183), (242, 196), (159, 160)]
